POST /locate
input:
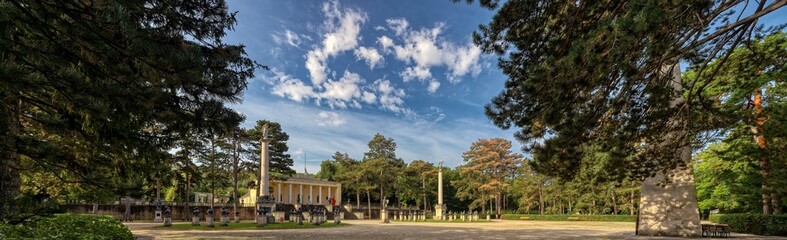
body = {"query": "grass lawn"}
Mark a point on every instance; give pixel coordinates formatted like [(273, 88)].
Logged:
[(452, 221), (251, 226)]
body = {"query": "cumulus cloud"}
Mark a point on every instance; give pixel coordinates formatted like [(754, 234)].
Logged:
[(390, 97), (341, 92), (423, 49), (330, 119), (343, 28), (290, 87), (433, 86), (370, 55)]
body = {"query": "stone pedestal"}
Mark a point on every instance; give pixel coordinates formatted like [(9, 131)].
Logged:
[(195, 221), (384, 216), (262, 220), (209, 220), (487, 217), (225, 221), (167, 221), (670, 209), (299, 219), (358, 215), (438, 212), (157, 216), (237, 217)]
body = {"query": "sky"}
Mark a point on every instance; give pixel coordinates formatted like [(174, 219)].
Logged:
[(342, 71)]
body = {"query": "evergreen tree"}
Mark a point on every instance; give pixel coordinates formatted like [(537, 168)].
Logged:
[(280, 161), (117, 78)]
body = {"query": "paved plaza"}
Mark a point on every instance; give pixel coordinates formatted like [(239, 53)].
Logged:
[(372, 229)]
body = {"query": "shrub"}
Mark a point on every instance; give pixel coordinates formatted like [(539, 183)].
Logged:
[(605, 218), (754, 223), (68, 226)]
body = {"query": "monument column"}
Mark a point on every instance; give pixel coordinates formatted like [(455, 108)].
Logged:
[(311, 198), (264, 165), (439, 208), (289, 200)]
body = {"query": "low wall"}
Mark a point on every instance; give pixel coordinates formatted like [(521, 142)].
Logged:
[(147, 212)]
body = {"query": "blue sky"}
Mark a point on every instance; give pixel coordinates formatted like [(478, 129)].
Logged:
[(344, 71)]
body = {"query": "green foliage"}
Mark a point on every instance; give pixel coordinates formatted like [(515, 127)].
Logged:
[(727, 179), (754, 223), (68, 226), (598, 218), (280, 161)]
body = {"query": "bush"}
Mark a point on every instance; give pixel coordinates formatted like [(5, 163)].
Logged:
[(605, 218), (67, 226), (754, 223)]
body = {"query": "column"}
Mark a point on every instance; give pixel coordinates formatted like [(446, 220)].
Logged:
[(279, 197), (440, 187), (319, 195), (264, 173), (301, 192), (311, 198), (289, 200), (329, 194)]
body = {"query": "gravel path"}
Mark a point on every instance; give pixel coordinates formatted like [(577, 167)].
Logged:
[(372, 229)]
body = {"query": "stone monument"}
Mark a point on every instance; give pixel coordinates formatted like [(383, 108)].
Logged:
[(167, 217), (440, 207), (237, 216), (157, 213), (225, 216), (195, 217), (209, 217), (262, 216), (264, 201), (384, 212), (336, 215)]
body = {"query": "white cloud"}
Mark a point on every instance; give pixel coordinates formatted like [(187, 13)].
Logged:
[(390, 97), (343, 29), (368, 97), (419, 72), (330, 119), (290, 87), (341, 92), (288, 37), (370, 55), (399, 25), (379, 28), (423, 49), (433, 86)]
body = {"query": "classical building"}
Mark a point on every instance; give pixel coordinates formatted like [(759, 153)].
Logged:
[(312, 191)]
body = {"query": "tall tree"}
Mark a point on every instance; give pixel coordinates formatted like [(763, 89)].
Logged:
[(116, 77), (747, 91), (280, 161), (488, 165), (381, 165), (607, 71)]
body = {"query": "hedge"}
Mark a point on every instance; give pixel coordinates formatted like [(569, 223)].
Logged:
[(604, 218), (753, 223), (67, 226)]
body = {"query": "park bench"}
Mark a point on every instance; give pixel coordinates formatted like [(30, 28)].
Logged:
[(715, 230)]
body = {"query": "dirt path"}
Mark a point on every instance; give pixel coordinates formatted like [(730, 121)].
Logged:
[(372, 229)]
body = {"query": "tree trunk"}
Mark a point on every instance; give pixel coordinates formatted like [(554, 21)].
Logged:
[(9, 158), (235, 162), (186, 211), (631, 202), (212, 169), (540, 200), (759, 138), (614, 204), (357, 200), (369, 204), (498, 204), (776, 201)]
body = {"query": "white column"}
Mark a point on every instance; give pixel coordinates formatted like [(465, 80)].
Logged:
[(329, 194), (319, 196), (311, 198), (301, 193), (278, 197), (440, 187), (290, 199), (264, 165)]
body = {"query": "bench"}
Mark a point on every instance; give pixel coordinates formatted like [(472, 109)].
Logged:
[(715, 230), (524, 218)]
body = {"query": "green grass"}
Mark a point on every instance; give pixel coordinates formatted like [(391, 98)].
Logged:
[(452, 221), (601, 218), (251, 226)]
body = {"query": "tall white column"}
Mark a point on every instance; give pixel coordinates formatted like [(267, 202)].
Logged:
[(300, 193), (289, 200), (264, 166), (311, 198), (319, 195), (329, 193), (278, 197), (440, 187)]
